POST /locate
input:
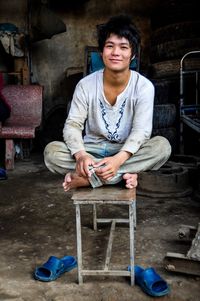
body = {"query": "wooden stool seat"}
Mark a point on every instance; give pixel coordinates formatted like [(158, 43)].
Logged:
[(106, 195)]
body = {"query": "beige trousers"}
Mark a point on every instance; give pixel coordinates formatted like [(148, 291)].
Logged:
[(151, 156)]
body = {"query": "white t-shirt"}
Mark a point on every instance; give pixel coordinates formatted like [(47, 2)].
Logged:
[(127, 122)]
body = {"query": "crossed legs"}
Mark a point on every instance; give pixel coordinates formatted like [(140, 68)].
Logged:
[(151, 156)]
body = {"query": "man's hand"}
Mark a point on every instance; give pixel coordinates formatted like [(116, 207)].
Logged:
[(83, 161), (111, 165)]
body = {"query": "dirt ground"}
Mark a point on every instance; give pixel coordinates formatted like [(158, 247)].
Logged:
[(37, 220)]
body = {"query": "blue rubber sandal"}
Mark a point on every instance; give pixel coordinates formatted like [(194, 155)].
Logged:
[(150, 282), (54, 268), (3, 175)]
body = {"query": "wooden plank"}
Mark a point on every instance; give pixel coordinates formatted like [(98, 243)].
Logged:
[(95, 217), (106, 273), (112, 193), (25, 75), (131, 233), (109, 220), (194, 252), (176, 262), (102, 202), (109, 248), (79, 243)]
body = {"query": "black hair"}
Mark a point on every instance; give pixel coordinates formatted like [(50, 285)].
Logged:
[(122, 26)]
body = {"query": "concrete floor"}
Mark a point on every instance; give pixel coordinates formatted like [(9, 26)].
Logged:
[(37, 220)]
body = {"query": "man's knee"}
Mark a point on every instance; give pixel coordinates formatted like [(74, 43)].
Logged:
[(52, 150), (163, 146), (48, 151)]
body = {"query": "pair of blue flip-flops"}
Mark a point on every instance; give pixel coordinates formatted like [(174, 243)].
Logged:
[(150, 282), (54, 268)]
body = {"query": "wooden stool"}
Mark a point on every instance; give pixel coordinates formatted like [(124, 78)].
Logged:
[(112, 195)]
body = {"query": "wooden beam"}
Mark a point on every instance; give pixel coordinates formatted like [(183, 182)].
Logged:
[(176, 262)]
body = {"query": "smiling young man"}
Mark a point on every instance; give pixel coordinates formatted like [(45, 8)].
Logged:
[(115, 107)]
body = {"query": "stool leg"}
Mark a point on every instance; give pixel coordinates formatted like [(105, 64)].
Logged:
[(135, 216), (131, 228), (79, 243), (10, 154), (95, 217)]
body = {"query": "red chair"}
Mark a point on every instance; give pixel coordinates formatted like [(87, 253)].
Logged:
[(26, 115)]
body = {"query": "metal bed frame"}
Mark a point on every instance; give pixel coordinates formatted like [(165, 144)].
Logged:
[(189, 114)]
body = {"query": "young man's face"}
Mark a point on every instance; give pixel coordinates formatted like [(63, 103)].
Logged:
[(117, 53)]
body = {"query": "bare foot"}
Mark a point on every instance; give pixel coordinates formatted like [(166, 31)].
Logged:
[(131, 180), (72, 180)]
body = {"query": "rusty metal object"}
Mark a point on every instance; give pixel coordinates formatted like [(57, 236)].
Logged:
[(168, 181), (192, 163), (186, 232)]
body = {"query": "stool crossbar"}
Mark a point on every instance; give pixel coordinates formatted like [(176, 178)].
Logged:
[(109, 195)]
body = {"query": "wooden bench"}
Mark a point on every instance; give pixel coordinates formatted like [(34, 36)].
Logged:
[(26, 114), (107, 195)]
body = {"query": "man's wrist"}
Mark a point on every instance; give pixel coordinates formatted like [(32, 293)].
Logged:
[(122, 156), (79, 154)]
